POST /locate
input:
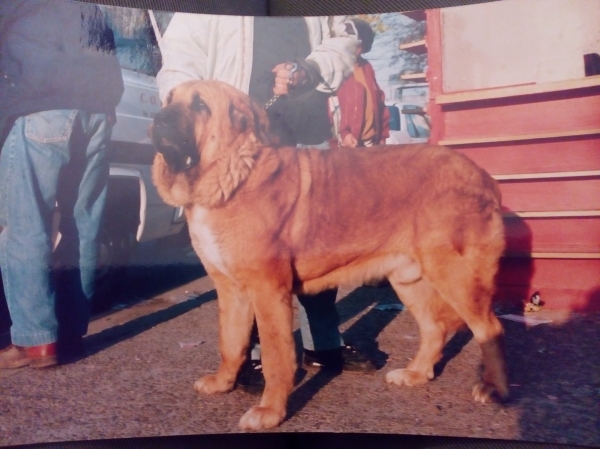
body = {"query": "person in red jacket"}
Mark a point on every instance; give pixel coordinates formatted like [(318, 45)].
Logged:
[(364, 119)]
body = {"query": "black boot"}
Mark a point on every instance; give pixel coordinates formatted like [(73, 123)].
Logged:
[(345, 358)]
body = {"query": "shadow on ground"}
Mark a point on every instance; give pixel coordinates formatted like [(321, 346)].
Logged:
[(109, 337), (554, 373), (363, 334), (156, 267)]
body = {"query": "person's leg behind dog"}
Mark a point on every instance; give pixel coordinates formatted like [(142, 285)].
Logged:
[(322, 341), (81, 199)]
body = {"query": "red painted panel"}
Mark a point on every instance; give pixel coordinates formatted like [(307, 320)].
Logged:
[(575, 235), (557, 113), (551, 195), (537, 157), (563, 284), (434, 73)]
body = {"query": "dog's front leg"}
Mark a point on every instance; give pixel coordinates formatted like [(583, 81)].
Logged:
[(235, 323), (273, 310)]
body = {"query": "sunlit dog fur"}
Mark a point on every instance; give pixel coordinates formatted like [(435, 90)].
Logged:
[(269, 222)]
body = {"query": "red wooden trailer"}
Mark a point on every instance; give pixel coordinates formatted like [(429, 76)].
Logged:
[(509, 89)]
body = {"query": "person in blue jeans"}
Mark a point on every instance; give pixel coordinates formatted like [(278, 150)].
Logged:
[(60, 82), (291, 66)]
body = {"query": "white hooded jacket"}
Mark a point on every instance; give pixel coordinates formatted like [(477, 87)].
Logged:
[(197, 46)]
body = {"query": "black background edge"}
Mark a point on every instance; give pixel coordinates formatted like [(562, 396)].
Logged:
[(287, 7)]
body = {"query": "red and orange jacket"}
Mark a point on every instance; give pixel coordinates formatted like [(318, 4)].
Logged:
[(352, 98)]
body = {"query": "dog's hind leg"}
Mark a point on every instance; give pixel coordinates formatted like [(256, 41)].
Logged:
[(235, 324), (273, 310), (423, 302), (466, 283)]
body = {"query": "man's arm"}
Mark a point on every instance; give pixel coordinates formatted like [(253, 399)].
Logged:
[(184, 52), (330, 62), (334, 57)]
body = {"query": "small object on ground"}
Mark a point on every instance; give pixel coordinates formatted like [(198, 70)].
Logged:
[(525, 319), (190, 344), (529, 307), (535, 303), (390, 307)]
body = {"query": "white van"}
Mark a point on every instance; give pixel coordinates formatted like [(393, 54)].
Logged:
[(409, 122)]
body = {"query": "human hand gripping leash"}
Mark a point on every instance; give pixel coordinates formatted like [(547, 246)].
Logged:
[(293, 69)]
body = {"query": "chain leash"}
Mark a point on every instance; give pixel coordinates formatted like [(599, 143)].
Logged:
[(274, 98)]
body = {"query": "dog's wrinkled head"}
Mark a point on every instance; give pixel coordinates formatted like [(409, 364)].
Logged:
[(208, 136), (199, 116)]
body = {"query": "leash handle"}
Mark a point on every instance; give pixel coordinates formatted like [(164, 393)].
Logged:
[(274, 98)]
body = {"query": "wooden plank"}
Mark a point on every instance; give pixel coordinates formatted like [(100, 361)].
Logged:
[(417, 47), (520, 137), (549, 119), (553, 175), (516, 91), (565, 255), (553, 214), (581, 153), (553, 235), (571, 195), (434, 73), (562, 256)]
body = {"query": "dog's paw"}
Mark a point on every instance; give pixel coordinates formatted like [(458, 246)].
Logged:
[(406, 377), (258, 418), (212, 384), (487, 393)]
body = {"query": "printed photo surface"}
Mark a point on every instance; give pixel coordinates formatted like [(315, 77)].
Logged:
[(378, 223)]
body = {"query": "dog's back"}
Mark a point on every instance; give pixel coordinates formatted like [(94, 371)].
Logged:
[(359, 208)]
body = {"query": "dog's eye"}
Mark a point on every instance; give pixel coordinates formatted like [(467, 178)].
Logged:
[(198, 105)]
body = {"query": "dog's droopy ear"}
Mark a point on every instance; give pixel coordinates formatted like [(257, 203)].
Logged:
[(261, 123), (238, 115), (246, 113)]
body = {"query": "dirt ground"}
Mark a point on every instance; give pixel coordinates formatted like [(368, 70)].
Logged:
[(143, 357)]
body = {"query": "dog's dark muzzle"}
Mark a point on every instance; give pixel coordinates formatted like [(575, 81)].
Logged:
[(173, 136)]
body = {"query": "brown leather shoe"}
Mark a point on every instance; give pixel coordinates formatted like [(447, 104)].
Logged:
[(41, 356), (13, 357)]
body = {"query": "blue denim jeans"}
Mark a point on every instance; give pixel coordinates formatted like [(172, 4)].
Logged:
[(51, 158)]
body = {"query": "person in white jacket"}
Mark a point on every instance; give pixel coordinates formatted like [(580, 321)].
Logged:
[(292, 66)]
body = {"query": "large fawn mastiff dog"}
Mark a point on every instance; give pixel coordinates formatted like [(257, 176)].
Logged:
[(269, 222)]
